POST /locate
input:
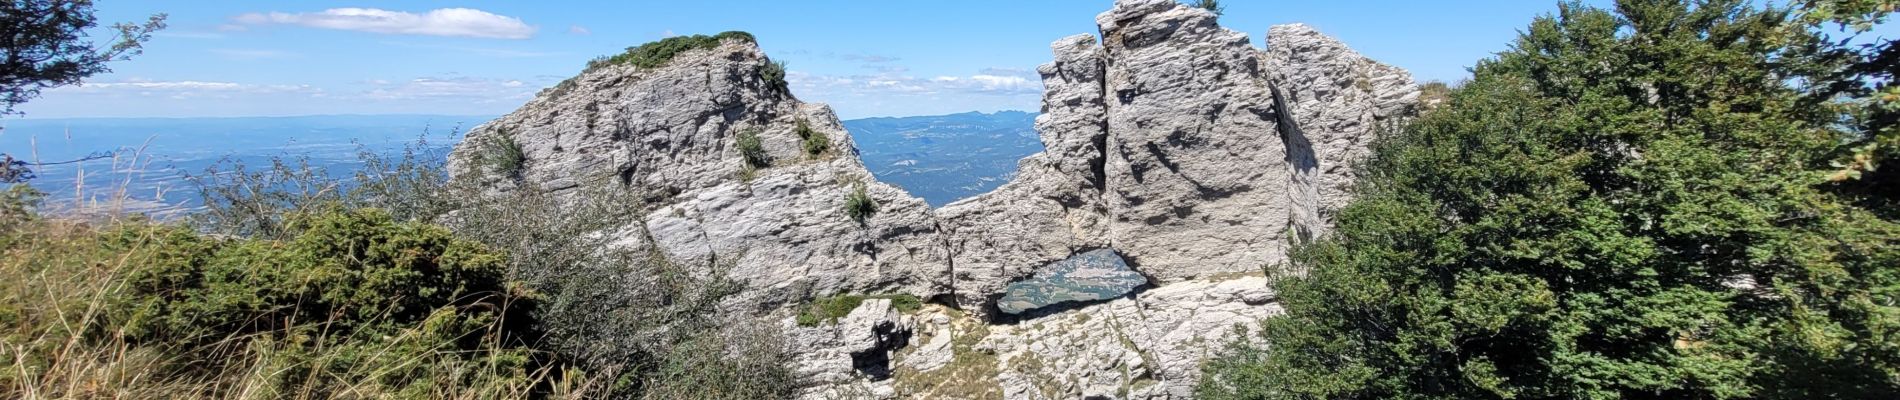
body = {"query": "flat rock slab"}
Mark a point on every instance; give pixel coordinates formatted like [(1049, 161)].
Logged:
[(1095, 275)]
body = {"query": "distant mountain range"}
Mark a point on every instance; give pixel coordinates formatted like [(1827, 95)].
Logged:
[(941, 158), (945, 158)]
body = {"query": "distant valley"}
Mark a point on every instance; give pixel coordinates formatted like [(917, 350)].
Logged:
[(946, 158), (940, 158)]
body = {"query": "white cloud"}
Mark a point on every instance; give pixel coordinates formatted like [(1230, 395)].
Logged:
[(896, 83), (253, 54), (482, 51), (578, 30), (895, 92), (182, 89), (464, 22), (472, 90)]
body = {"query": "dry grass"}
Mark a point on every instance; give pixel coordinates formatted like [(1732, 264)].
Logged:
[(613, 322), (63, 335)]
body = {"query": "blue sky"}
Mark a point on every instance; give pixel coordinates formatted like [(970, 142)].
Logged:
[(889, 58)]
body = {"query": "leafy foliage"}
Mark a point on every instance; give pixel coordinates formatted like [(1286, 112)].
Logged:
[(46, 46), (1624, 204), (827, 310), (658, 53), (858, 204), (1209, 5), (353, 304), (817, 144), (773, 73), (1860, 80), (631, 323), (502, 154), (752, 149)]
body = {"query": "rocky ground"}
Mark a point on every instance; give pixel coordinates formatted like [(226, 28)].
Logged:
[(1191, 154)]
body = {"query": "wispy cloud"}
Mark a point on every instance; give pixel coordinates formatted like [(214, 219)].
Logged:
[(462, 22), (578, 30), (1000, 82), (865, 58), (188, 35), (471, 89), (184, 89), (253, 54), (481, 51)]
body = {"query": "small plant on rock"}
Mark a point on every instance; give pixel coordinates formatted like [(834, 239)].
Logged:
[(503, 154), (773, 73), (1209, 5), (859, 204), (817, 144), (752, 151)]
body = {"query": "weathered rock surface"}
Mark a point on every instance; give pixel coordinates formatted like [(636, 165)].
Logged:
[(1171, 141), (852, 357), (1337, 99), (669, 133), (1197, 170)]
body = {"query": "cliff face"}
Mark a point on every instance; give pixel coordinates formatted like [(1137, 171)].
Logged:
[(1191, 154)]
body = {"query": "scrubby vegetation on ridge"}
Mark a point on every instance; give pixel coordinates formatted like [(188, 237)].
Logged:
[(658, 53)]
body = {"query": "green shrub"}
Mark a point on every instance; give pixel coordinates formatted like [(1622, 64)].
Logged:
[(905, 303), (859, 204), (773, 73), (1209, 5), (752, 149), (352, 272), (826, 310), (17, 204), (660, 52), (626, 323), (354, 304), (503, 155), (817, 144)]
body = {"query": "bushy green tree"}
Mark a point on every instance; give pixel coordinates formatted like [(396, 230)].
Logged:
[(45, 46), (1627, 203), (1861, 82)]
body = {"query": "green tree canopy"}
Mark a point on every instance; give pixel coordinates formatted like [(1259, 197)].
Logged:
[(1627, 203), (45, 46)]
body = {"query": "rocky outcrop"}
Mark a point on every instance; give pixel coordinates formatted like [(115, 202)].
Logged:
[(1171, 141), (851, 358), (671, 134), (1336, 100), (1197, 170)]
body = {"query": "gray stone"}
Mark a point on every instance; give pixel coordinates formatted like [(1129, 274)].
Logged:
[(1338, 100)]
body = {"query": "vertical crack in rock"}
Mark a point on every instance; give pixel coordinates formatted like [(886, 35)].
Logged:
[(1304, 186)]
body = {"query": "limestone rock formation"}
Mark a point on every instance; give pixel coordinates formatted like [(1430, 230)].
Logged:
[(1336, 99), (670, 133), (852, 357), (1171, 141), (1197, 171)]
